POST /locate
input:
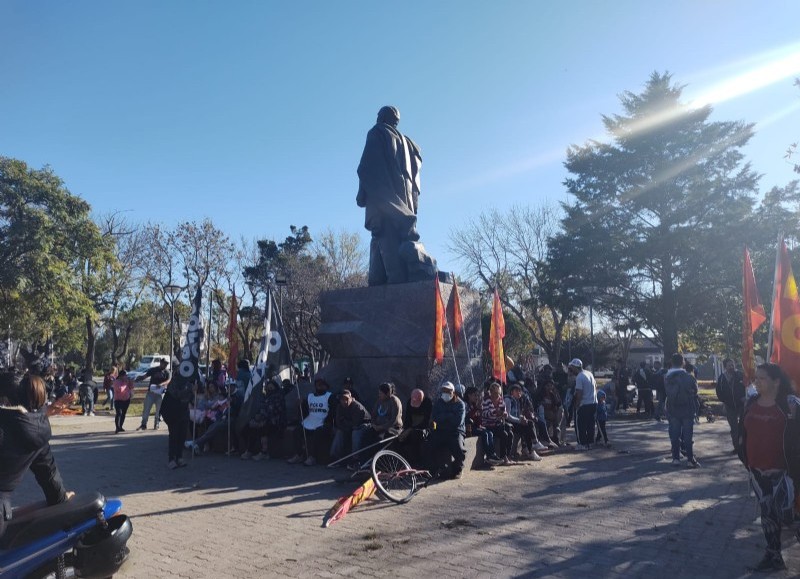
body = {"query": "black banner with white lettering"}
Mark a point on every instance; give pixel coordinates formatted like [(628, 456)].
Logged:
[(274, 358)]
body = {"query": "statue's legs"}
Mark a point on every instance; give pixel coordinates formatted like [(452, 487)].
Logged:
[(385, 263)]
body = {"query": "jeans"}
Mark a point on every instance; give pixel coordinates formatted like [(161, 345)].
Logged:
[(681, 431), (121, 408), (220, 425), (87, 400), (661, 409), (110, 398), (584, 423), (443, 446), (149, 400), (526, 434), (486, 438), (341, 445), (504, 435)]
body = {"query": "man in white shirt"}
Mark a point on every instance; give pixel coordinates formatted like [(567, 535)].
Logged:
[(585, 403), (315, 432)]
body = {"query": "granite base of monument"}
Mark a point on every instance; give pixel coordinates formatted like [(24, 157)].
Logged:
[(385, 334)]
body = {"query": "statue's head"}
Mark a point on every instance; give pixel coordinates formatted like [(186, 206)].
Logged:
[(389, 115)]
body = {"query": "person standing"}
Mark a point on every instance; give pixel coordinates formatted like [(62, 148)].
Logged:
[(621, 380), (769, 446), (681, 389), (657, 384), (644, 391), (585, 402), (731, 392), (122, 392), (108, 386), (159, 380)]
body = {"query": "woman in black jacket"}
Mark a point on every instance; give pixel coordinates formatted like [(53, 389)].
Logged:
[(25, 442), (769, 446)]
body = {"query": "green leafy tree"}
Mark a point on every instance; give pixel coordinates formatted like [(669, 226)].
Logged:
[(659, 211), (46, 238)]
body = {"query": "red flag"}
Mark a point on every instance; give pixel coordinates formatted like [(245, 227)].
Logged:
[(439, 325), (458, 320), (752, 317), (497, 331), (786, 318), (233, 338)]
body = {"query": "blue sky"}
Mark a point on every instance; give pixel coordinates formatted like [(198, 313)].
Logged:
[(254, 113)]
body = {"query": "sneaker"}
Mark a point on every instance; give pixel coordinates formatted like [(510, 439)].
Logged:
[(181, 462), (92, 414), (310, 461), (259, 456), (676, 462), (508, 462), (770, 562), (295, 459), (155, 427), (539, 446), (495, 461), (608, 444), (188, 444), (552, 444), (172, 465), (535, 457), (142, 427), (246, 455), (693, 463)]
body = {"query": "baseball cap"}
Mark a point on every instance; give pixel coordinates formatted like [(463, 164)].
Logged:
[(448, 386), (576, 363)]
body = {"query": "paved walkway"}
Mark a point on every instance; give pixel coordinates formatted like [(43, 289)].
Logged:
[(620, 512)]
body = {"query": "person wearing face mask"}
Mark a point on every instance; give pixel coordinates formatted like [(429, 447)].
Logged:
[(446, 440)]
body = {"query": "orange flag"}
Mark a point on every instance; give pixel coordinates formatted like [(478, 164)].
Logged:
[(786, 318), (497, 331), (752, 317), (458, 320), (233, 338), (439, 325)]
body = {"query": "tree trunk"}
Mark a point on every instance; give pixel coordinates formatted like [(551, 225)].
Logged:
[(669, 331), (91, 337)]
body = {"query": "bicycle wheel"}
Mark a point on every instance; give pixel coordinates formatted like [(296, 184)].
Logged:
[(393, 476)]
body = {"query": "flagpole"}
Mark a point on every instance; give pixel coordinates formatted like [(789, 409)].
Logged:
[(291, 370), (464, 331), (774, 298), (452, 351)]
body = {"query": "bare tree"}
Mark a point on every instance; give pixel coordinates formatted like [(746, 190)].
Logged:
[(345, 257), (509, 251)]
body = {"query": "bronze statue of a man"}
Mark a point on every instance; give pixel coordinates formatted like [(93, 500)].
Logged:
[(389, 190)]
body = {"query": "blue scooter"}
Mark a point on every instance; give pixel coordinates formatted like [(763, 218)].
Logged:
[(84, 537)]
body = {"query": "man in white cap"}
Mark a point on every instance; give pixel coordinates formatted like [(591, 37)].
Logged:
[(585, 403), (446, 440)]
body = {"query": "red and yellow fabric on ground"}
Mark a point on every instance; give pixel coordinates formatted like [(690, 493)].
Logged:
[(347, 502)]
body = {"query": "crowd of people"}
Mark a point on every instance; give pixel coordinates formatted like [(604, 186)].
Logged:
[(523, 419)]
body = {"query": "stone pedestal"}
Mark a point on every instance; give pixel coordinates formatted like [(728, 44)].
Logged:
[(385, 333)]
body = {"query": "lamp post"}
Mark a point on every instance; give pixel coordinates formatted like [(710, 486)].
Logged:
[(171, 292)]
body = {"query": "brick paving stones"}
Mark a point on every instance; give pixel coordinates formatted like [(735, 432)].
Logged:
[(618, 512)]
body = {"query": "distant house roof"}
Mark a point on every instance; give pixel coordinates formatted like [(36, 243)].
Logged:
[(645, 346)]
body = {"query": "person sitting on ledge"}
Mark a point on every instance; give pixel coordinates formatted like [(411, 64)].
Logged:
[(416, 421), (387, 418), (316, 427), (446, 440), (352, 424)]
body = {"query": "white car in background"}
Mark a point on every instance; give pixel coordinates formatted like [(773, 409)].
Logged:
[(146, 363)]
